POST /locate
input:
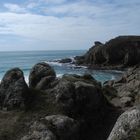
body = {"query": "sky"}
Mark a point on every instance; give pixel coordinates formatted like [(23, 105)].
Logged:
[(65, 24)]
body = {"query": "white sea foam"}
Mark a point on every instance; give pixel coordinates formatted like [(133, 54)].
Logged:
[(59, 75), (112, 77), (54, 63), (26, 79)]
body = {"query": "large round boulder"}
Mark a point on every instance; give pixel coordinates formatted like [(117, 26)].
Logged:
[(12, 89), (75, 94), (127, 125), (41, 75)]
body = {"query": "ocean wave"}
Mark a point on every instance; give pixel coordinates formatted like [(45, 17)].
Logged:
[(54, 63), (57, 63), (59, 75), (112, 77), (26, 79)]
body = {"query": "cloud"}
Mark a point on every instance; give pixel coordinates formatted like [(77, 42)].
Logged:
[(73, 25), (14, 8), (54, 1)]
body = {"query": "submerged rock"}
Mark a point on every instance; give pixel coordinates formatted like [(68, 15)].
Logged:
[(12, 89)]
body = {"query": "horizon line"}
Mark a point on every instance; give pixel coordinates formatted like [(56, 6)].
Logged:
[(41, 50)]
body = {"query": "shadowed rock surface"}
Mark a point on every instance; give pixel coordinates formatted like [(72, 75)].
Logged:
[(12, 89), (40, 75), (120, 52), (69, 108), (125, 91)]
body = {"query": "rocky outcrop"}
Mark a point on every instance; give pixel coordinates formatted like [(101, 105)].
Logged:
[(65, 60), (72, 107), (67, 108), (65, 128), (12, 89), (127, 125), (55, 127), (39, 131), (41, 76), (126, 90), (120, 52)]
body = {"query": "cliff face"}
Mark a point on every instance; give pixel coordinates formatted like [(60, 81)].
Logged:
[(122, 51)]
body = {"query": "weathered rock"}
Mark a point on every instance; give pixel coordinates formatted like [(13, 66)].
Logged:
[(63, 127), (95, 55), (88, 97), (81, 98), (39, 131), (53, 127), (74, 93), (127, 88), (64, 95), (120, 52), (65, 60), (126, 125), (41, 76), (12, 89)]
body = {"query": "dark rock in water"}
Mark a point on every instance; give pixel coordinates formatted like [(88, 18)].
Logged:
[(41, 75), (12, 89), (127, 125), (65, 60), (80, 60), (122, 51)]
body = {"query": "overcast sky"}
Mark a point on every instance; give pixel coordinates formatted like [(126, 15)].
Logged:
[(65, 24)]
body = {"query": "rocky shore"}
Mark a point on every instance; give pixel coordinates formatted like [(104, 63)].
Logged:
[(75, 107), (118, 53), (69, 108)]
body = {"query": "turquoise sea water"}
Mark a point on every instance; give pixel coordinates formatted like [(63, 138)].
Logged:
[(26, 59)]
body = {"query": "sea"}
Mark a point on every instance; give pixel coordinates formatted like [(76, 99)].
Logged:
[(25, 60)]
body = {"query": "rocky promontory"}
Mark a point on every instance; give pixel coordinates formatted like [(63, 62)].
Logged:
[(120, 52)]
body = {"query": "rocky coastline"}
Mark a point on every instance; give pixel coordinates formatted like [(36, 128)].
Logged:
[(75, 107), (118, 53)]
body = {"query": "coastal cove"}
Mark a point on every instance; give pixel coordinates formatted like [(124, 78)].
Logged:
[(66, 100), (26, 59)]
